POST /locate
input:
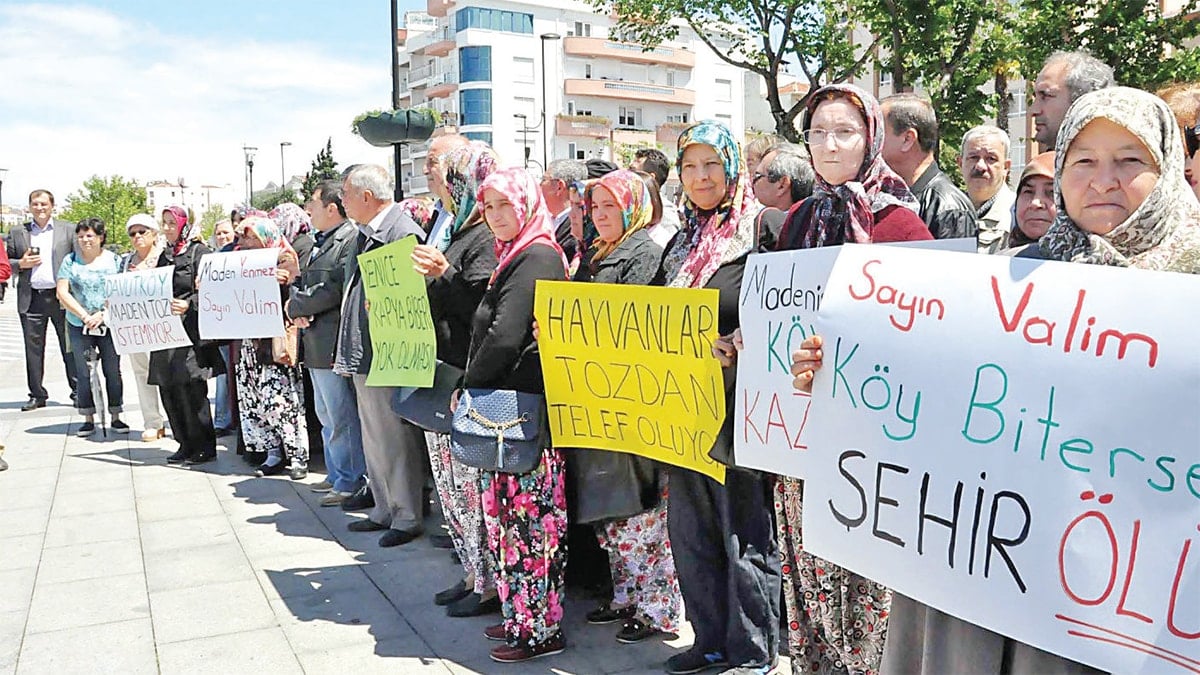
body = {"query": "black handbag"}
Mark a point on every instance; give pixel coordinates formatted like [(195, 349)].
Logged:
[(498, 430), (429, 407), (606, 485)]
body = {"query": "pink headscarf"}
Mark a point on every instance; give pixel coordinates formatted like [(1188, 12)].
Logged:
[(537, 225), (185, 232)]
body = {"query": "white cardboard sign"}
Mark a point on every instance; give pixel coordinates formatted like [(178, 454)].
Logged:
[(239, 296), (139, 312)]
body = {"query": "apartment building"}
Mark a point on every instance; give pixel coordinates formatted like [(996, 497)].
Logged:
[(492, 67), (199, 198)]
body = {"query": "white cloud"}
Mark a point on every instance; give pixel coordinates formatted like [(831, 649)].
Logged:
[(86, 91)]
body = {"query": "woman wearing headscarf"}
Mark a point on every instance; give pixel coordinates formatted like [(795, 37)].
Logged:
[(144, 235), (525, 514), (269, 393), (837, 619), (1034, 210), (722, 536), (182, 374), (458, 268), (645, 586)]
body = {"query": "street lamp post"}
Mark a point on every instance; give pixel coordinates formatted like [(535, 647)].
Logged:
[(524, 136), (282, 170), (2, 172), (250, 150), (546, 37)]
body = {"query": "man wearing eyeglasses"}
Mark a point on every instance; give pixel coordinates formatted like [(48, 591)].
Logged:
[(784, 177)]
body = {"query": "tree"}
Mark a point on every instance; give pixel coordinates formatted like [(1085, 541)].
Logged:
[(212, 215), (1146, 49), (759, 36), (113, 199), (323, 168), (265, 201)]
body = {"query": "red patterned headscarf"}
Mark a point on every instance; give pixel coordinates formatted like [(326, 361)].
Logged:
[(184, 230), (537, 225)]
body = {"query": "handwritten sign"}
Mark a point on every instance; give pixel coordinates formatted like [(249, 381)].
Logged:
[(781, 295), (139, 312), (239, 295), (402, 338), (631, 369), (1015, 443)]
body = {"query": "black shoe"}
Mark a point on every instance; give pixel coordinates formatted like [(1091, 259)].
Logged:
[(474, 605), (365, 525), (119, 426), (254, 458), (634, 631), (34, 404), (440, 541), (201, 458), (454, 593), (87, 429), (363, 499), (695, 660), (275, 469), (179, 457), (605, 614), (397, 538)]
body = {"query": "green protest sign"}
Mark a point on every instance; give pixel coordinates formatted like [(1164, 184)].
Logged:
[(402, 337)]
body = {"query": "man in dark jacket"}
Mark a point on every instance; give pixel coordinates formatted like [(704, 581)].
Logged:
[(909, 139), (38, 249), (316, 306), (393, 448)]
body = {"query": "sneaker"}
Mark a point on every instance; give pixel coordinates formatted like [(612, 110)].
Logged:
[(496, 633), (334, 498), (298, 472), (323, 486), (694, 660), (752, 670), (508, 654), (634, 631), (363, 499), (87, 429), (119, 426), (605, 614)]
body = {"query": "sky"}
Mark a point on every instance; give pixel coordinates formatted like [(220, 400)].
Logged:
[(164, 89)]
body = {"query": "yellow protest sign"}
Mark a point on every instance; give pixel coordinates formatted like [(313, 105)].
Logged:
[(630, 368)]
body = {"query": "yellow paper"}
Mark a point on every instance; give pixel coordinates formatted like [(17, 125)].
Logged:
[(630, 368)]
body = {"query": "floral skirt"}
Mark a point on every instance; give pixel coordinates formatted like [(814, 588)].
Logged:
[(643, 569), (458, 489), (837, 619), (271, 406), (526, 519)]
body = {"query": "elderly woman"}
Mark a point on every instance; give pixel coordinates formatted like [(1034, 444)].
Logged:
[(144, 235), (722, 536), (525, 514), (81, 291), (269, 393), (181, 374), (1034, 210), (837, 619), (458, 270), (646, 596)]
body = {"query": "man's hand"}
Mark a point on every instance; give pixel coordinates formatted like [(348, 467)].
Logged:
[(29, 261), (179, 307)]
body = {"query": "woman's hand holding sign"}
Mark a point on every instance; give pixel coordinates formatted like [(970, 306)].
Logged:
[(726, 348), (806, 361)]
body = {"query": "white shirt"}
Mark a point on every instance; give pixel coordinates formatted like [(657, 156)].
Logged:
[(43, 276), (378, 219)]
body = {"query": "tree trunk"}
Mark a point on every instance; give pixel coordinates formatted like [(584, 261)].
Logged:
[(1004, 99)]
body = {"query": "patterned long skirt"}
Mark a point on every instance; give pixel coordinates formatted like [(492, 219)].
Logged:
[(526, 519), (271, 405), (837, 620), (643, 569), (458, 488)]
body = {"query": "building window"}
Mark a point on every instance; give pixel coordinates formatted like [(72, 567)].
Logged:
[(475, 64), (573, 151), (526, 106), (587, 71), (885, 77), (485, 136), (629, 117), (724, 90), (670, 78), (476, 106), (522, 69), (493, 19), (581, 29), (678, 118)]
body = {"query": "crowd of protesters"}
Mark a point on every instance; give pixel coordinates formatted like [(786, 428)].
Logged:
[(1118, 185)]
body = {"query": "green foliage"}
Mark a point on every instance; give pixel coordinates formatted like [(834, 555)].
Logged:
[(323, 168), (209, 219), (265, 201), (113, 199)]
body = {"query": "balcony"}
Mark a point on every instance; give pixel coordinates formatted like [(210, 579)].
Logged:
[(630, 91), (668, 132), (438, 7), (437, 42), (442, 85), (626, 51), (588, 126), (638, 137)]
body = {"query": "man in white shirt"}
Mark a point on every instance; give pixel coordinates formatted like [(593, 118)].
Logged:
[(654, 162)]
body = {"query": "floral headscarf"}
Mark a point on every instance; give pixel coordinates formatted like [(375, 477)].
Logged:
[(1163, 233), (420, 209), (710, 239), (292, 220), (466, 168), (836, 214), (267, 231), (537, 225), (631, 193), (184, 230)]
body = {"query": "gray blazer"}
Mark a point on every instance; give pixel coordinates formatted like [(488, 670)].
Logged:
[(318, 294), (18, 243)]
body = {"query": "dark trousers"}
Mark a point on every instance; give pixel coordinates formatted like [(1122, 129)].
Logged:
[(110, 365), (723, 540), (186, 406), (43, 309)]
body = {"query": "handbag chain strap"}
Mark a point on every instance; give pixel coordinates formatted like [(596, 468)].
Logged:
[(499, 428)]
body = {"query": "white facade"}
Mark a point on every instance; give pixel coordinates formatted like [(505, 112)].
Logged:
[(198, 198), (482, 67)]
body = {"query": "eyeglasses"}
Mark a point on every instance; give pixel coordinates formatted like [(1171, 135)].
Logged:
[(842, 136), (757, 177), (1191, 137), (138, 233)]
